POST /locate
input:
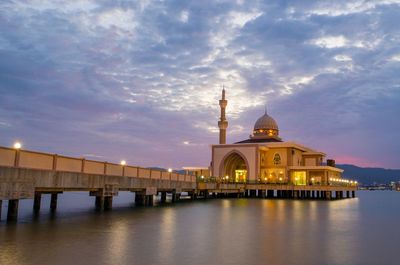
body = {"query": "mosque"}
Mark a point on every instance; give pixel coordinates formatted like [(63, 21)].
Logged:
[(266, 158)]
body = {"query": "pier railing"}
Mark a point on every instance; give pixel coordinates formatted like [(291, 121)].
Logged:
[(332, 182), (18, 158)]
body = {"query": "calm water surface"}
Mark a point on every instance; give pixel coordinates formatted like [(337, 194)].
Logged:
[(360, 231)]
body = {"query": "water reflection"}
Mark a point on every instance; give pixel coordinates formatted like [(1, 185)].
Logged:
[(223, 231)]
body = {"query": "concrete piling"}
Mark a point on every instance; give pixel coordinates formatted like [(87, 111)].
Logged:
[(149, 200), (99, 203), (1, 207), (37, 201), (163, 196), (12, 213), (108, 202), (140, 199), (53, 201)]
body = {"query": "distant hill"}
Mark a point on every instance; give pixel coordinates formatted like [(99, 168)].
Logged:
[(370, 175)]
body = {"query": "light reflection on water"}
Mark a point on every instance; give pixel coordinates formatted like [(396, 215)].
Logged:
[(223, 231)]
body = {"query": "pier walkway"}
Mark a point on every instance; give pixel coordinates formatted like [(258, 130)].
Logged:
[(27, 175)]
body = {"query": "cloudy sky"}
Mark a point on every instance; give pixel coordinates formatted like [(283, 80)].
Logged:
[(140, 80)]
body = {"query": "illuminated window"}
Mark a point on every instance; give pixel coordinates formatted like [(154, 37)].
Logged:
[(240, 175), (299, 178)]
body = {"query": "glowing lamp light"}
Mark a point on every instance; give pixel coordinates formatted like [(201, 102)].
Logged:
[(202, 177), (265, 179), (123, 162), (280, 179), (169, 170), (227, 177), (17, 145), (312, 179)]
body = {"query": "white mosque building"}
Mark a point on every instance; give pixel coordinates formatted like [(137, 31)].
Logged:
[(266, 158)]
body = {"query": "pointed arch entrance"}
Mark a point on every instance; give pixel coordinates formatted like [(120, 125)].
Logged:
[(235, 166)]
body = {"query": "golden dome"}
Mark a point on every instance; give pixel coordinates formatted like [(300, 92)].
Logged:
[(266, 127)]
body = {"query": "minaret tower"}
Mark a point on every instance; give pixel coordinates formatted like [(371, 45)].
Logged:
[(222, 123)]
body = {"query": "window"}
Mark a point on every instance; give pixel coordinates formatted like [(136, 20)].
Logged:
[(277, 159), (299, 178)]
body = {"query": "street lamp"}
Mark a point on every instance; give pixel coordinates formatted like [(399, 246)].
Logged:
[(169, 170), (17, 145), (123, 163)]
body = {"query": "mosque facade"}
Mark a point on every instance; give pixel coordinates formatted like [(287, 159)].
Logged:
[(265, 157)]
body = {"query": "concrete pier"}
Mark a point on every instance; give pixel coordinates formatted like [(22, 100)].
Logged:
[(1, 207), (150, 200), (37, 201), (108, 202), (140, 199), (12, 213), (53, 201), (163, 196), (99, 203)]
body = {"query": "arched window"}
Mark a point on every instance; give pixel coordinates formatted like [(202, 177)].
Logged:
[(277, 159)]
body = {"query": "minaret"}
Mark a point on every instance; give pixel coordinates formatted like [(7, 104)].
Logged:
[(222, 123)]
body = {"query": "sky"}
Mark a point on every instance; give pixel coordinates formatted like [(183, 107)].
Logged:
[(140, 80)]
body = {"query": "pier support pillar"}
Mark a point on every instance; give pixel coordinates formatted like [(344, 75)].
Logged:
[(12, 212), (270, 193), (53, 201), (261, 194), (1, 207), (348, 194), (313, 194), (108, 202), (253, 193), (140, 199), (173, 196), (149, 200), (206, 194), (99, 203), (163, 196), (36, 201), (328, 195), (353, 194)]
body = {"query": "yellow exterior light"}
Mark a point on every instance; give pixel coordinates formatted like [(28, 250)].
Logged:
[(312, 179), (280, 179), (202, 177), (169, 170), (17, 145), (123, 163), (227, 177)]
